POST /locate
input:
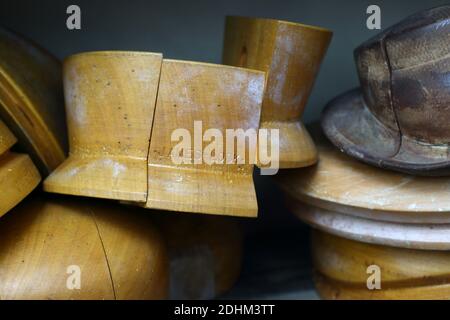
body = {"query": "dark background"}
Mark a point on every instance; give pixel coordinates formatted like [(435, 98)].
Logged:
[(276, 263), (193, 30)]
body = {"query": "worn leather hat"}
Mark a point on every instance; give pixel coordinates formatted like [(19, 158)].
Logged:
[(399, 118)]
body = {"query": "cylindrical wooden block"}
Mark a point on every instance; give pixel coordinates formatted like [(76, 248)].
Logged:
[(213, 97), (291, 54), (110, 100)]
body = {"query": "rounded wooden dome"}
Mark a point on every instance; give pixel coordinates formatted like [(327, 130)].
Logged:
[(47, 243)]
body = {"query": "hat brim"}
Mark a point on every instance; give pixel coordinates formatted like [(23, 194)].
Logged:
[(115, 178), (402, 235), (349, 124), (340, 183), (201, 191)]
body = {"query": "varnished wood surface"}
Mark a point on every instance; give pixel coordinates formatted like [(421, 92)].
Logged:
[(222, 97), (7, 139), (18, 178), (31, 100), (291, 54), (340, 183), (120, 253), (110, 100), (18, 174), (342, 264), (205, 254), (403, 235)]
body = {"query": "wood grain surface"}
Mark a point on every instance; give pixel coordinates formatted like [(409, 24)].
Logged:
[(222, 97), (291, 54), (342, 184), (121, 255), (341, 267), (31, 99), (18, 175), (110, 101)]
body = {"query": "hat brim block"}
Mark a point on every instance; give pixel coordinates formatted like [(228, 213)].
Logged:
[(119, 253), (349, 125), (110, 100), (341, 270), (342, 184), (402, 235), (31, 99), (222, 98), (280, 49)]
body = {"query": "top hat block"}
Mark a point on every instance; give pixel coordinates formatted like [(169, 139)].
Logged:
[(399, 118), (342, 184), (395, 234), (47, 242), (205, 254), (291, 54), (110, 101), (221, 97), (345, 267), (31, 99), (18, 175)]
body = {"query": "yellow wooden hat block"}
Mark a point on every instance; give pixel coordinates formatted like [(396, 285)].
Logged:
[(221, 97), (205, 254), (110, 100), (341, 184), (343, 268), (47, 243), (18, 175), (31, 99), (291, 54)]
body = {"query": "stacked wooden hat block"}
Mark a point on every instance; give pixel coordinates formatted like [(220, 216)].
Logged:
[(366, 216)]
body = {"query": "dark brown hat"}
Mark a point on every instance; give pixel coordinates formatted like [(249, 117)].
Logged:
[(400, 117)]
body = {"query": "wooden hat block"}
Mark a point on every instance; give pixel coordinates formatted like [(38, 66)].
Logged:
[(396, 234), (205, 254), (290, 54), (18, 175), (110, 100), (221, 97), (120, 254), (31, 99), (341, 270), (340, 184)]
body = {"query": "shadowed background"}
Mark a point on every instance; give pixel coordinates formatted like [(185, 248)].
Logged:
[(276, 263), (193, 30)]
